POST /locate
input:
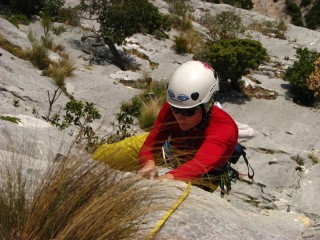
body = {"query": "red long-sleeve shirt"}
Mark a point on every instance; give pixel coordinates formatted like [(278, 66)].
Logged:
[(199, 150)]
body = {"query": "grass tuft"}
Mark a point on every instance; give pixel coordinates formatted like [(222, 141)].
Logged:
[(76, 198), (61, 70)]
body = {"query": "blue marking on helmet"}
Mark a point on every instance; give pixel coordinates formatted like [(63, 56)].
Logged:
[(183, 97), (171, 94)]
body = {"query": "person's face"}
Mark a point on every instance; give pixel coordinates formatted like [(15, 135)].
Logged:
[(185, 120)]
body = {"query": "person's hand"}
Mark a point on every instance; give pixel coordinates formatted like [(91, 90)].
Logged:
[(165, 176), (148, 170)]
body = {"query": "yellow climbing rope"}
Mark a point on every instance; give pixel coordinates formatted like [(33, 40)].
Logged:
[(167, 215)]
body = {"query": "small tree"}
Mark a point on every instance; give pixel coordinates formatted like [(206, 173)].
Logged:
[(231, 58), (120, 19), (225, 25), (79, 115), (298, 75)]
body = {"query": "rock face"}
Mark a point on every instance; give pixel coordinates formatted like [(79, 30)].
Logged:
[(281, 203)]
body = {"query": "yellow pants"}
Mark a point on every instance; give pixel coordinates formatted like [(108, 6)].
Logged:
[(122, 155)]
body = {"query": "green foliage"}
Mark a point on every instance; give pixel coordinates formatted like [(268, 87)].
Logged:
[(58, 30), (231, 58), (270, 28), (38, 56), (178, 7), (69, 15), (298, 75), (145, 107), (140, 16), (31, 7), (305, 3), (181, 44), (123, 127), (16, 103), (294, 11), (225, 25), (51, 7), (314, 159), (312, 17), (10, 119), (16, 19), (244, 4), (79, 115)]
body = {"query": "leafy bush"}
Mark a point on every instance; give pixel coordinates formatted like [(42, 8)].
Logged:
[(231, 58), (225, 25), (298, 75), (294, 11), (122, 128), (312, 17), (79, 115)]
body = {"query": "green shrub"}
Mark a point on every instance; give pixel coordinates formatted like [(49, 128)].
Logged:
[(294, 11), (79, 115), (298, 75), (70, 16), (305, 3), (270, 28), (312, 17), (232, 58), (225, 25), (16, 19), (58, 30), (51, 7), (178, 7), (181, 44), (10, 119)]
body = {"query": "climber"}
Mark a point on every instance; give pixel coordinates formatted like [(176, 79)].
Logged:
[(199, 136)]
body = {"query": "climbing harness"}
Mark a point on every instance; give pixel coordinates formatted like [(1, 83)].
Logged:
[(169, 212)]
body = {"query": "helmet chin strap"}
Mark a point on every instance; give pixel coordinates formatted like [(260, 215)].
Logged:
[(206, 109)]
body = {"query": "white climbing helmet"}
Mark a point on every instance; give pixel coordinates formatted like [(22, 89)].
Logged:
[(192, 84)]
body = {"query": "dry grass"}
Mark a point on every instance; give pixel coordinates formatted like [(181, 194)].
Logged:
[(61, 70), (11, 48), (77, 198), (149, 113)]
